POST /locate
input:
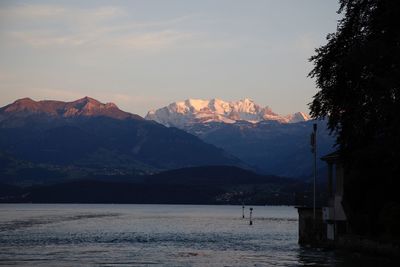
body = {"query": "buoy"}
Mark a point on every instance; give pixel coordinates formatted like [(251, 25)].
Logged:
[(242, 211)]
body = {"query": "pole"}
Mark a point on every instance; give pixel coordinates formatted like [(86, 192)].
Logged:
[(251, 216), (315, 167), (242, 211)]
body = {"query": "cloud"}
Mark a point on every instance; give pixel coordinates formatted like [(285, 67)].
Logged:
[(97, 27), (151, 40), (29, 12), (49, 38)]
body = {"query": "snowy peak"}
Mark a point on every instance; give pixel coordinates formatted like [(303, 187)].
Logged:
[(297, 117), (191, 111)]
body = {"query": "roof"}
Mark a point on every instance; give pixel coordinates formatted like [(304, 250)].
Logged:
[(332, 157)]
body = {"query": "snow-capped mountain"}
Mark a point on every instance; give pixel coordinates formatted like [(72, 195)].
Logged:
[(297, 117), (269, 142), (191, 111)]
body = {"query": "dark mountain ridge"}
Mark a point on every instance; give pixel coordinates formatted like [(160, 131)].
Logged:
[(215, 175), (194, 185), (270, 147)]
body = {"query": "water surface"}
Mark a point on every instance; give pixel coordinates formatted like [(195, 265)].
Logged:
[(155, 235)]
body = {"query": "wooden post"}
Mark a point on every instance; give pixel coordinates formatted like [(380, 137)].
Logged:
[(314, 151)]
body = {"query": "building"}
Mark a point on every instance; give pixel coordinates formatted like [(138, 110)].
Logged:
[(333, 214), (330, 221), (330, 227)]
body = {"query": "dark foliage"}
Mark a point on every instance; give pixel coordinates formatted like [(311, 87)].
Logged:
[(358, 74)]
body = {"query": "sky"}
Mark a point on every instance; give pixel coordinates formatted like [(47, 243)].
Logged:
[(143, 55)]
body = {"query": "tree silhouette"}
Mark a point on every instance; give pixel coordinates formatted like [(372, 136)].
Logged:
[(358, 76)]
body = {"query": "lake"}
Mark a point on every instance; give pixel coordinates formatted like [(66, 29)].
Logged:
[(157, 235)]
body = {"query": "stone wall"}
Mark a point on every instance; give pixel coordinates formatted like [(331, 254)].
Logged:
[(311, 232)]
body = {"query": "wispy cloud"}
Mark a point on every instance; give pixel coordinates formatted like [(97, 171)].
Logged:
[(38, 12), (97, 27), (151, 40), (29, 12)]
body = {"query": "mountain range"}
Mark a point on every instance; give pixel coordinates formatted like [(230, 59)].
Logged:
[(268, 142), (91, 152), (88, 135), (192, 111)]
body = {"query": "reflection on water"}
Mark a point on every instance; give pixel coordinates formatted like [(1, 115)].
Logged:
[(163, 235)]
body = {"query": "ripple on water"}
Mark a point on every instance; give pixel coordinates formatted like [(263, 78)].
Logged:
[(153, 235)]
